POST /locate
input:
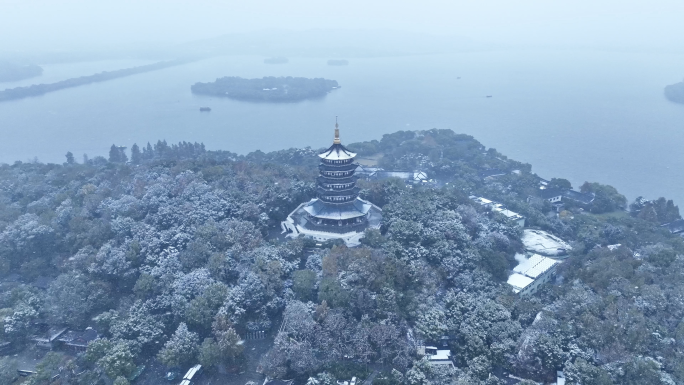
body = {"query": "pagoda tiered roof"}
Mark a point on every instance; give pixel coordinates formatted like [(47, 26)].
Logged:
[(356, 208), (338, 167), (337, 152)]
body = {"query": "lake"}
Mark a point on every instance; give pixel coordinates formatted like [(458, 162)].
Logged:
[(584, 116)]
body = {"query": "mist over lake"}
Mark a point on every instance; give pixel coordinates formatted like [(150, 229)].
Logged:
[(594, 116)]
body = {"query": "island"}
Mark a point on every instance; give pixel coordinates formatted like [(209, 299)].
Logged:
[(276, 60), (41, 89), (11, 72), (337, 62), (675, 92), (267, 89)]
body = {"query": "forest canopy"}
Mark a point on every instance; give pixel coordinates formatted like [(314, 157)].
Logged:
[(267, 89), (171, 252)]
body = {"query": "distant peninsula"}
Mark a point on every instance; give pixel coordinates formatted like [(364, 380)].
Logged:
[(40, 89), (338, 62), (675, 92), (267, 89), (276, 60), (11, 72)]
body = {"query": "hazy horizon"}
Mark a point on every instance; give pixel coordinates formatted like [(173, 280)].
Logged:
[(38, 25)]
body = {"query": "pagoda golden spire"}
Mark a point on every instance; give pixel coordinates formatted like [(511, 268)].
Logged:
[(337, 133)]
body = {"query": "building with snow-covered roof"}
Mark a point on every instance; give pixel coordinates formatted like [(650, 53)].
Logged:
[(532, 273), (512, 216), (519, 282), (436, 356), (484, 202)]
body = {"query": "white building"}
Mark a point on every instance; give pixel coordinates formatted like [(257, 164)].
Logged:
[(436, 356), (514, 217), (530, 274)]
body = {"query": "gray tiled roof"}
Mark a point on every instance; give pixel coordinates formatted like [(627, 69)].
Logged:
[(341, 211)]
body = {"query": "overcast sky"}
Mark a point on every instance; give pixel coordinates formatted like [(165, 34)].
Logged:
[(74, 24)]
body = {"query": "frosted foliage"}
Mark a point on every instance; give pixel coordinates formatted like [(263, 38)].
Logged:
[(181, 349), (112, 261), (192, 284), (25, 236), (314, 262)]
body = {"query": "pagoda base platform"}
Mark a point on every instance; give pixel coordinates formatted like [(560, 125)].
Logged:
[(298, 223)]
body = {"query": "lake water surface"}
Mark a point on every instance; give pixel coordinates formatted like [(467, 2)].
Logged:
[(596, 116)]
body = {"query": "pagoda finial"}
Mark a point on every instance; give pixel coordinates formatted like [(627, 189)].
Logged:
[(337, 133)]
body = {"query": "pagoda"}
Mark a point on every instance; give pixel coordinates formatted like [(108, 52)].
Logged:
[(337, 211)]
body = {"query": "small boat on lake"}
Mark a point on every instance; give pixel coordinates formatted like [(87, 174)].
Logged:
[(205, 109)]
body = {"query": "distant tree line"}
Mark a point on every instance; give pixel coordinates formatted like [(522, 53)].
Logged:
[(267, 89), (41, 89), (10, 72)]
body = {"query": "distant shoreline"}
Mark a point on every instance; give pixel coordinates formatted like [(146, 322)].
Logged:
[(41, 89), (11, 72), (675, 93)]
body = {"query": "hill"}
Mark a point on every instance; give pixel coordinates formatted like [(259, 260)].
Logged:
[(675, 92)]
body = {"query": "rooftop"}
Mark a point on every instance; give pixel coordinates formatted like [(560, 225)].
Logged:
[(519, 282), (341, 211), (585, 198), (441, 355), (548, 193), (337, 152), (499, 208), (535, 266), (480, 200), (75, 338), (541, 242)]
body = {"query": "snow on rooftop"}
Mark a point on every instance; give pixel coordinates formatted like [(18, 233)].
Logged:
[(535, 266), (519, 281), (499, 208), (541, 242), (441, 355), (480, 200)]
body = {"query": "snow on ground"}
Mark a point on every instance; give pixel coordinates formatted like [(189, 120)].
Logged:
[(541, 242)]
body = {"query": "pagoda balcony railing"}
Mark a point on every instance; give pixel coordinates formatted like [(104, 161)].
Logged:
[(337, 190), (337, 162), (337, 174), (337, 199)]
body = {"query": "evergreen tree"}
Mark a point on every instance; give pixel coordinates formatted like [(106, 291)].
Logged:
[(136, 156), (70, 157), (117, 154), (114, 154), (148, 152), (181, 349)]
